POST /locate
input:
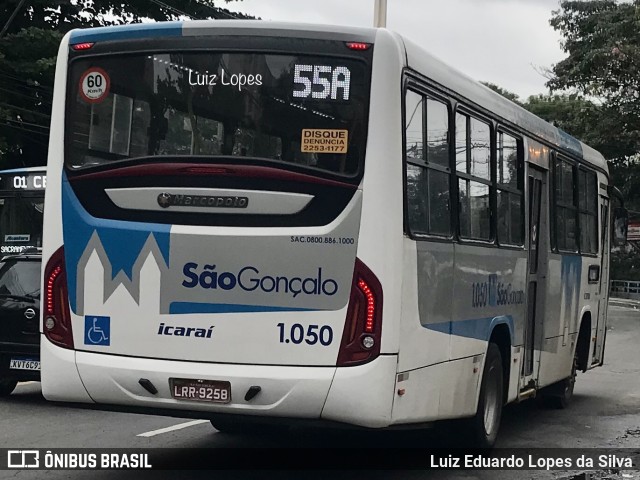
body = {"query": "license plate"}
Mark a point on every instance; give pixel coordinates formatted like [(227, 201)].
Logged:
[(200, 390), (24, 364)]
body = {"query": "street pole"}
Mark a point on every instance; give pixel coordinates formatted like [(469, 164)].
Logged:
[(380, 14), (13, 15)]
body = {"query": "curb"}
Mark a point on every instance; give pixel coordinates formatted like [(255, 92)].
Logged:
[(624, 302)]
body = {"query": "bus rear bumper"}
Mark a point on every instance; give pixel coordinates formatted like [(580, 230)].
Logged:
[(284, 391), (351, 395)]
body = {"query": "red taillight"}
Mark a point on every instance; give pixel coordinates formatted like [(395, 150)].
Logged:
[(371, 305), (51, 280), (56, 323), (82, 46), (363, 326), (358, 46)]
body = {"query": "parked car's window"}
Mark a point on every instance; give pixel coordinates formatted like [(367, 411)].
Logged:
[(20, 277)]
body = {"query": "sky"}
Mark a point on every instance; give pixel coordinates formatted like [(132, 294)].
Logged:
[(506, 42)]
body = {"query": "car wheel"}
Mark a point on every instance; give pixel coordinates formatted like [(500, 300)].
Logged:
[(485, 424), (7, 385)]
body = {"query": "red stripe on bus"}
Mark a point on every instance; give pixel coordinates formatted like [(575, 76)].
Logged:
[(188, 169)]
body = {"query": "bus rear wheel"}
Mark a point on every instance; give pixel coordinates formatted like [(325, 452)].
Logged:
[(485, 424), (560, 395)]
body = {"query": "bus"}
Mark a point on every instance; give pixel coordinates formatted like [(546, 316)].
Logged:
[(21, 208), (261, 224)]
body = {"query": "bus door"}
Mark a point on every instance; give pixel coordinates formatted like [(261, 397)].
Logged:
[(603, 290), (535, 276)]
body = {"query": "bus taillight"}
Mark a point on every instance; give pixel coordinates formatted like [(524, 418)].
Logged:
[(358, 46), (363, 326), (82, 46), (57, 318)]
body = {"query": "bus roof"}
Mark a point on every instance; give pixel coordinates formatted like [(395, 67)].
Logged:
[(417, 58), (193, 28)]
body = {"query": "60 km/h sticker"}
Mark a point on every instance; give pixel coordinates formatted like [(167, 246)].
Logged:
[(94, 85), (324, 140)]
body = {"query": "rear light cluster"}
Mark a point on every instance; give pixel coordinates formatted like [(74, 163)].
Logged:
[(57, 318), (82, 46), (361, 46), (363, 326)]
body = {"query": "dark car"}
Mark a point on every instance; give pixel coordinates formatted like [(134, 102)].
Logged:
[(19, 319)]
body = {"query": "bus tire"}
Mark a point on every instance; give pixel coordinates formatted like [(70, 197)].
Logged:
[(7, 386), (486, 422), (560, 394)]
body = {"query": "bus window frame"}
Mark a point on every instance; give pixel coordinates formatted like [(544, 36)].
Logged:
[(470, 113), (225, 44), (521, 161), (413, 85), (596, 254), (426, 86), (556, 158)]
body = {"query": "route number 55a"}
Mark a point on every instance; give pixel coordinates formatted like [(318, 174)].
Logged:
[(322, 82)]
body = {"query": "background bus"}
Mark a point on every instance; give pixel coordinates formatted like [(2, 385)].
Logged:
[(252, 221), (21, 208), (21, 215)]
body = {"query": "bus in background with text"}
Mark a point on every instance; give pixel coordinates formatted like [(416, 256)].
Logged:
[(21, 208), (259, 223), (21, 211)]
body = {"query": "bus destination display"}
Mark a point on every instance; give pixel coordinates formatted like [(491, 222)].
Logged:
[(322, 82), (23, 182)]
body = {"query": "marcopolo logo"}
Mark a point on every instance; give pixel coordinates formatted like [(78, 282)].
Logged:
[(250, 279), (166, 200)]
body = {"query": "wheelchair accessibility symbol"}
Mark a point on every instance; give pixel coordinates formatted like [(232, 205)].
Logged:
[(97, 330)]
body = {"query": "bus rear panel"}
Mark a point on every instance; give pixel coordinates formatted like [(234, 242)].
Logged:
[(202, 236)]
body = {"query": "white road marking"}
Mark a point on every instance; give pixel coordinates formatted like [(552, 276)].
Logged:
[(180, 426)]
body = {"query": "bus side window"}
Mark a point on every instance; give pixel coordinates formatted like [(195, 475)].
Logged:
[(427, 165), (510, 186), (473, 155), (588, 205), (565, 205)]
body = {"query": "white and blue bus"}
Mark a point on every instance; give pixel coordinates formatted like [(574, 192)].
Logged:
[(253, 222)]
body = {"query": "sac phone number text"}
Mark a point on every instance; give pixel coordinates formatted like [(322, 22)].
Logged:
[(327, 240)]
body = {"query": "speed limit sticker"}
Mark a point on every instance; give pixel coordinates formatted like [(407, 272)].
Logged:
[(94, 85)]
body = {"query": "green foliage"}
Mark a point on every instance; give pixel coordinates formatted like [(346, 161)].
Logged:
[(625, 264), (595, 124), (602, 40), (28, 53)]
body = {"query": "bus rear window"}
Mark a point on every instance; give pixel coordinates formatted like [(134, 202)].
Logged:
[(310, 111)]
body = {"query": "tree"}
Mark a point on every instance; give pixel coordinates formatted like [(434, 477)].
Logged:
[(28, 53), (602, 42)]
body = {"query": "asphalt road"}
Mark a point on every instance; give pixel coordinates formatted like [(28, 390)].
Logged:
[(605, 413)]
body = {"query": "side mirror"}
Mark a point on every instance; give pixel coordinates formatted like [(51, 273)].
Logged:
[(620, 227)]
